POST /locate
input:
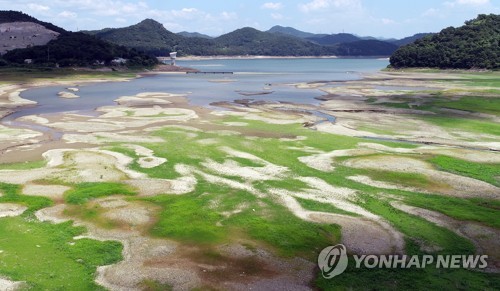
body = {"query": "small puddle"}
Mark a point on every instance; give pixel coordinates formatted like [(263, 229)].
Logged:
[(10, 121)]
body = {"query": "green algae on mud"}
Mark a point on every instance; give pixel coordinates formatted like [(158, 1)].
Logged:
[(12, 194), (46, 256), (247, 218), (84, 192)]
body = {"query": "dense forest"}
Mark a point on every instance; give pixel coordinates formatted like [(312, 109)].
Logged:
[(250, 41), (78, 49), (474, 45)]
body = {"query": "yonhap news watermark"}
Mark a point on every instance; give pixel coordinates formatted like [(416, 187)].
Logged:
[(333, 261)]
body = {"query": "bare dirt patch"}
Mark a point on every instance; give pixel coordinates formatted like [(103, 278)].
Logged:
[(8, 285), (54, 192), (11, 209)]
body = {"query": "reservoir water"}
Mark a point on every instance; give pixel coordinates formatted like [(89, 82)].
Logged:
[(250, 75)]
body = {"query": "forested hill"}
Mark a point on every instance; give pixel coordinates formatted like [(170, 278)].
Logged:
[(78, 49), (69, 48), (474, 45), (152, 37), (147, 35), (250, 41)]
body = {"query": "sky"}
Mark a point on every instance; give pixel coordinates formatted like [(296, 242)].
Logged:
[(378, 18)]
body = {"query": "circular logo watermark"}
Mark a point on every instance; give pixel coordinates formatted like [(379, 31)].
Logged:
[(332, 261)]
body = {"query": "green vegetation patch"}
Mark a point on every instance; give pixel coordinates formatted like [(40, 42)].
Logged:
[(23, 166), (12, 194), (465, 124), (480, 210), (409, 279), (199, 217), (322, 207), (486, 172), (83, 192), (417, 228), (489, 105), (46, 257)]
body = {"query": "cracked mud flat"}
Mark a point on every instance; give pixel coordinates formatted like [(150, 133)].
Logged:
[(131, 124)]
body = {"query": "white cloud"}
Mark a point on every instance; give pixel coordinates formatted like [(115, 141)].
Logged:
[(228, 15), (272, 5), (327, 4), (467, 3), (67, 14), (387, 21), (38, 7), (473, 2), (314, 5), (186, 13)]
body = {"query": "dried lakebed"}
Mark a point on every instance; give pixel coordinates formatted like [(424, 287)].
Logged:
[(156, 192)]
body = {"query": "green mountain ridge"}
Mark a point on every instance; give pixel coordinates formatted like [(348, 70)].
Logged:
[(410, 39), (147, 35), (366, 48), (333, 39), (250, 41), (290, 31), (152, 37), (473, 45), (193, 34)]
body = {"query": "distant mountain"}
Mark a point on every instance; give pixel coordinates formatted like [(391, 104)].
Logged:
[(333, 39), (409, 39), (366, 48), (68, 48), (290, 31), (151, 37), (148, 35), (338, 38), (474, 45), (194, 34), (250, 41)]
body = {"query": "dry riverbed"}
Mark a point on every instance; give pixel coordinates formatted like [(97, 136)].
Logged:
[(225, 173)]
